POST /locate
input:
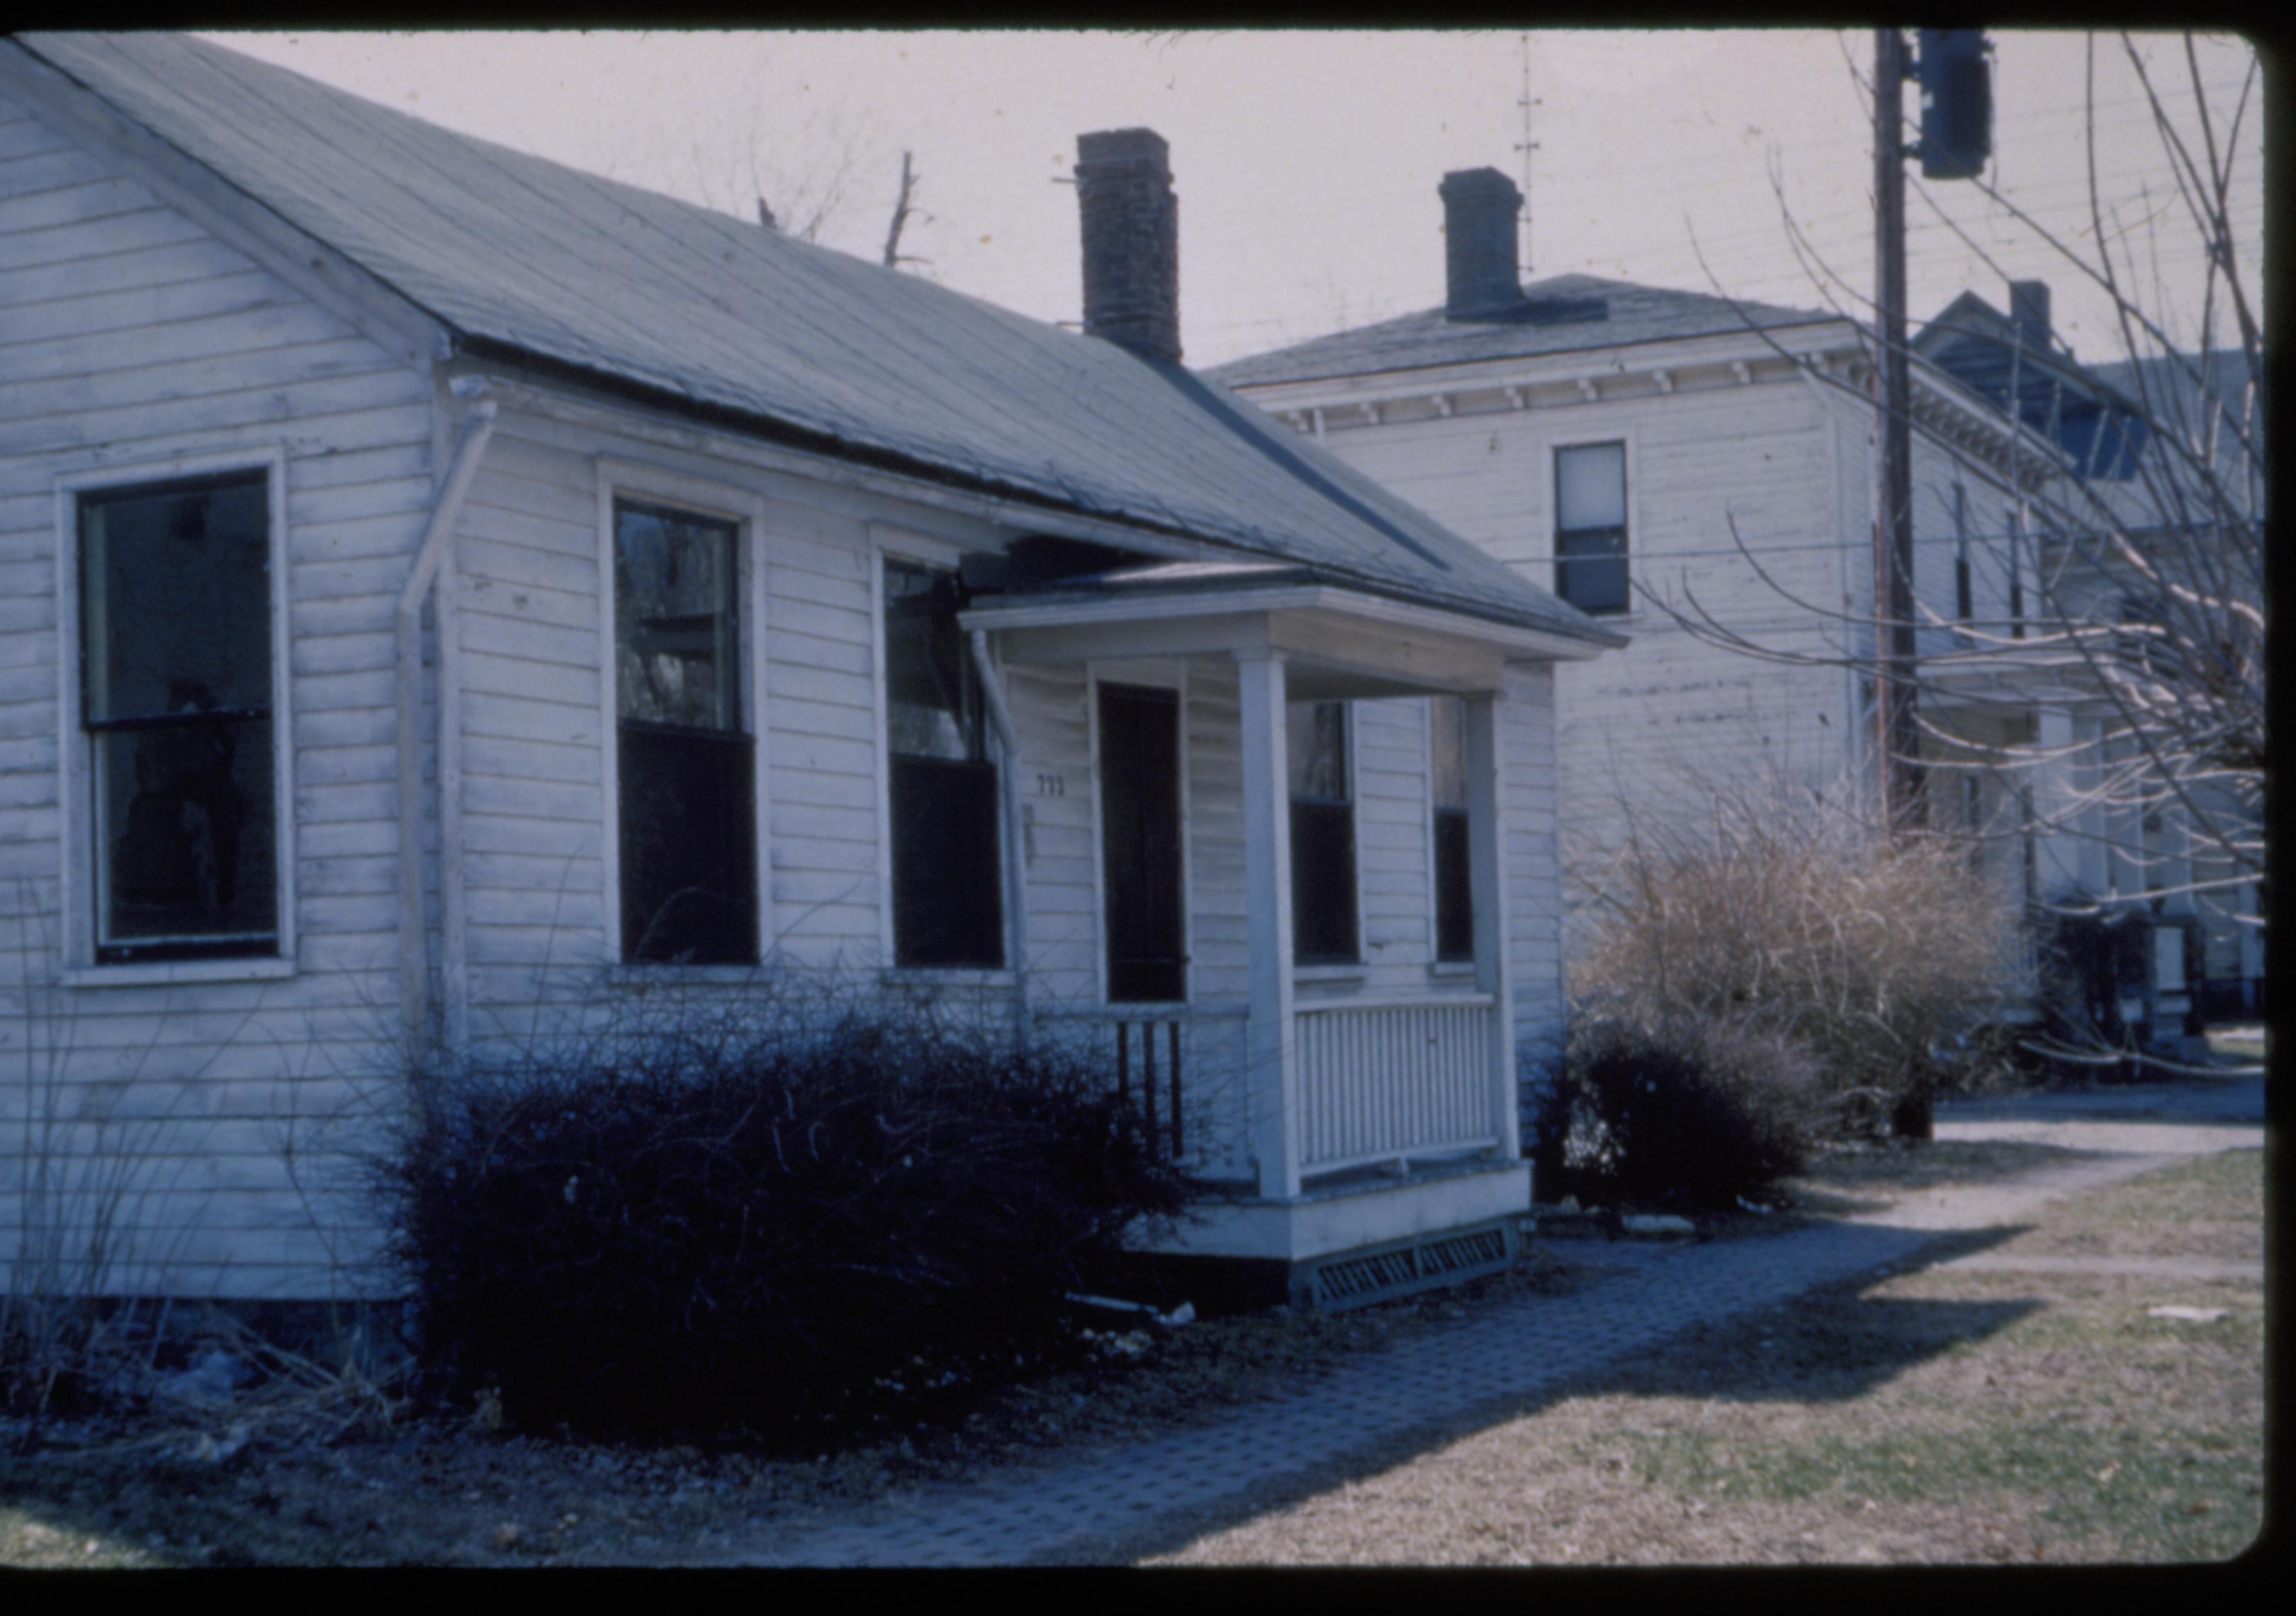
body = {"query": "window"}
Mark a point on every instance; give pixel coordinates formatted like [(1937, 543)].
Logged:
[(1964, 607), (1322, 835), (942, 785), (1455, 913), (686, 761), (178, 698), (1590, 526), (2017, 574)]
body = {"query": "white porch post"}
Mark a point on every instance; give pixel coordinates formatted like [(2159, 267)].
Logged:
[(1272, 1057), (1486, 881), (2071, 853)]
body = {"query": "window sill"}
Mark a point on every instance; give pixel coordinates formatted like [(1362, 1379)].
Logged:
[(947, 976), (1352, 972), (171, 972), (654, 973), (1449, 969)]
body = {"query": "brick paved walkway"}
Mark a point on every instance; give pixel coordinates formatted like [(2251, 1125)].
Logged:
[(1113, 1504)]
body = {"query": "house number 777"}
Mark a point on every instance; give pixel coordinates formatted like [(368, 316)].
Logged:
[(1052, 785)]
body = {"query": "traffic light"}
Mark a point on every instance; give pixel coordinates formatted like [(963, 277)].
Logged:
[(1957, 84)]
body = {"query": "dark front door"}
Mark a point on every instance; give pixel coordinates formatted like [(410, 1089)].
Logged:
[(1140, 843)]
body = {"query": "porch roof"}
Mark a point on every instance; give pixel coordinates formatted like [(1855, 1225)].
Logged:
[(1344, 641)]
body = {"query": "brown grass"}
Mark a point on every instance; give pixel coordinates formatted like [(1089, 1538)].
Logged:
[(1941, 1416)]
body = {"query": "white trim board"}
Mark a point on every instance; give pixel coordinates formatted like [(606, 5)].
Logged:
[(78, 879)]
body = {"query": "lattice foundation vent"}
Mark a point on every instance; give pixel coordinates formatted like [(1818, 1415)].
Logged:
[(1447, 1259)]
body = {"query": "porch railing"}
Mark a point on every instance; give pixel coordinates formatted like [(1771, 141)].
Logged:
[(1381, 1080), (1181, 1066)]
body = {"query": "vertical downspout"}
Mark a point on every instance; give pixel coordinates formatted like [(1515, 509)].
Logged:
[(1016, 875), (413, 963)]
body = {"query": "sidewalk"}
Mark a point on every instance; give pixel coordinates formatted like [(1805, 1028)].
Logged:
[(1111, 1505)]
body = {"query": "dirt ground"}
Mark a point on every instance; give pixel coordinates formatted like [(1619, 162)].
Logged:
[(448, 1490), (1933, 1416)]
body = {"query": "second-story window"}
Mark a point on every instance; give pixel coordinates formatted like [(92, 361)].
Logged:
[(942, 784), (687, 763), (1322, 835), (1963, 604), (1455, 913), (1590, 526)]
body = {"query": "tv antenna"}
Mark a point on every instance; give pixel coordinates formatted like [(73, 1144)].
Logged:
[(1526, 145)]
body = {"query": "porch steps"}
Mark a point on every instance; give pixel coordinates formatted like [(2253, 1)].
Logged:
[(1356, 1279)]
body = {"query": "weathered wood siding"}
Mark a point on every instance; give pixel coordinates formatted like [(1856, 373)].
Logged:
[(1657, 725), (129, 334)]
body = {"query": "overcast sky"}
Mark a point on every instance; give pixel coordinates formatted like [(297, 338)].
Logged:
[(1307, 163)]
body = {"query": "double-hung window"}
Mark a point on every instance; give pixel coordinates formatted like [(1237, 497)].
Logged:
[(687, 762), (1455, 913), (1590, 526), (942, 785), (177, 702), (1322, 835), (1964, 605)]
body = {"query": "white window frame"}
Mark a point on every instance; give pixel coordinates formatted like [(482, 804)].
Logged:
[(890, 543), (1150, 676), (77, 883), (745, 508), (1624, 438)]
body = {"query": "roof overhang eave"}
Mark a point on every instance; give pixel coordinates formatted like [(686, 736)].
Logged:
[(1513, 641)]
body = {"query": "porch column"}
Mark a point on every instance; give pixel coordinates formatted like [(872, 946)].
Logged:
[(1486, 881), (1272, 1060), (2071, 828)]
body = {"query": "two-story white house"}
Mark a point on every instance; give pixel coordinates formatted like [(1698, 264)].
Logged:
[(445, 596), (1650, 455)]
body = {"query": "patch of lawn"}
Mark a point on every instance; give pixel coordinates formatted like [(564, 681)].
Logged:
[(1943, 1415)]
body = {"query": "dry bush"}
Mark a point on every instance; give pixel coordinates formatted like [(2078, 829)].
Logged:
[(769, 1219), (1773, 910), (1698, 1113)]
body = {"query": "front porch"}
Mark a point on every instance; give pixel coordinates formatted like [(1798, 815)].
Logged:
[(1352, 1124)]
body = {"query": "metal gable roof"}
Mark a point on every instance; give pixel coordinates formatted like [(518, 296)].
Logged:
[(514, 250), (1562, 314)]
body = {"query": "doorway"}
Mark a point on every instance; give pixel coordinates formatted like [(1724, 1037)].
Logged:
[(1141, 864)]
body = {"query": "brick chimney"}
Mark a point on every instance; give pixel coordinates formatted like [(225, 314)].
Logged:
[(1480, 209), (1131, 241), (2029, 306)]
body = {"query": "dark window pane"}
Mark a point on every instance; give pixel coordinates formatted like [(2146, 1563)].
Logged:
[(175, 598), (1455, 911), (947, 909), (1590, 569), (1322, 883), (688, 845), (933, 696), (185, 831), (677, 621), (1315, 743)]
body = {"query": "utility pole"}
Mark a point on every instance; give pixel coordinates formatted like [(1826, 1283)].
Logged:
[(1897, 739), (1957, 141)]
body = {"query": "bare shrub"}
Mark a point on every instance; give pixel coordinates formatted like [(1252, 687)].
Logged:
[(1697, 1112), (1775, 912), (794, 1210)]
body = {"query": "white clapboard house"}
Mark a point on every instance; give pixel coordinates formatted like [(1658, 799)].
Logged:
[(439, 589), (1635, 448)]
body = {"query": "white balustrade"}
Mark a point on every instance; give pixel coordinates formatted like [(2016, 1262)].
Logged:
[(1383, 1080)]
